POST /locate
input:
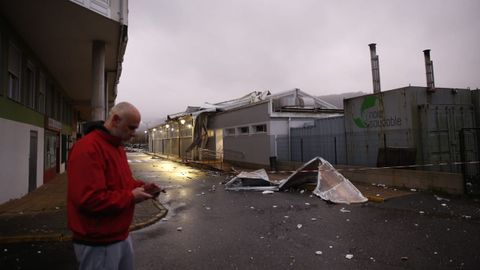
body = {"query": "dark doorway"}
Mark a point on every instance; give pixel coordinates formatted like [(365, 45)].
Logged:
[(32, 161)]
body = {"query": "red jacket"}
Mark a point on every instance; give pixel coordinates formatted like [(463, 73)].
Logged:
[(100, 203)]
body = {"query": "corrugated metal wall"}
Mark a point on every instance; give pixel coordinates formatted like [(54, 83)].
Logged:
[(440, 134), (377, 123), (325, 139), (406, 126), (172, 143)]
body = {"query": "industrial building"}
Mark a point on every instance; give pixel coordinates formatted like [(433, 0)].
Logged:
[(60, 63), (243, 131), (430, 128), (434, 129)]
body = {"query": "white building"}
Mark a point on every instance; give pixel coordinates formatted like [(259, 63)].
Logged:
[(60, 63), (242, 131)]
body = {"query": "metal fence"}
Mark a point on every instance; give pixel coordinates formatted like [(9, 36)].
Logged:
[(304, 148), (385, 151), (470, 156)]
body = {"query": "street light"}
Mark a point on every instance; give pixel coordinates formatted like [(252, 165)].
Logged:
[(153, 140), (147, 123), (146, 137)]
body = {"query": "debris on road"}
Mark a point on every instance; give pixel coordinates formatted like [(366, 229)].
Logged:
[(256, 180), (440, 198), (349, 256), (328, 183)]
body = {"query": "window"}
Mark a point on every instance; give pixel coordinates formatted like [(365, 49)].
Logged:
[(14, 68), (58, 106), (51, 141), (60, 101), (41, 94), (64, 111), (29, 84), (260, 128), (243, 130), (229, 132), (1, 65), (68, 118), (50, 102)]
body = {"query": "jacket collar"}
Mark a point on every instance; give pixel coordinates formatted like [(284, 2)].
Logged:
[(113, 140)]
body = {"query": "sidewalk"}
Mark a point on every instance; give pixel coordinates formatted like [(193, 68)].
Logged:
[(41, 215)]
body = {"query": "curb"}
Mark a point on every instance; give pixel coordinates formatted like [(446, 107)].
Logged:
[(157, 217), (54, 237), (377, 199), (60, 237)]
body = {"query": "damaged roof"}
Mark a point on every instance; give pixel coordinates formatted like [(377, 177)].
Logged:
[(294, 100)]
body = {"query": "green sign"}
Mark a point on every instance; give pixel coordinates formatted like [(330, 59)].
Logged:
[(373, 117), (368, 102)]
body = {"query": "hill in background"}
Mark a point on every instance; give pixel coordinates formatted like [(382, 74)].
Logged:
[(337, 99)]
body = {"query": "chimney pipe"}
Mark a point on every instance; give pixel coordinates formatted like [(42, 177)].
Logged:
[(429, 71), (375, 68)]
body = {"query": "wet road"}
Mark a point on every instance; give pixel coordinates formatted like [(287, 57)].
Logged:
[(210, 228)]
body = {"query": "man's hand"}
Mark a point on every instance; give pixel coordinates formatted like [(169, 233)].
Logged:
[(140, 195), (153, 189)]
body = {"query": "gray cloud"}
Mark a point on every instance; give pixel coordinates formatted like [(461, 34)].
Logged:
[(184, 53)]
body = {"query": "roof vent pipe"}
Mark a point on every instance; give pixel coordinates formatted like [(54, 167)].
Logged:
[(429, 71), (375, 68)]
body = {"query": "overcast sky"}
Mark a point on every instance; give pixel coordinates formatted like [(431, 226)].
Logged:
[(187, 52)]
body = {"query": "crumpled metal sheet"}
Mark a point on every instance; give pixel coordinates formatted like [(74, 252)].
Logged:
[(256, 180), (329, 184), (333, 186)]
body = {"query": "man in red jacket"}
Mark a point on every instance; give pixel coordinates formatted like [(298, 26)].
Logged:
[(102, 192)]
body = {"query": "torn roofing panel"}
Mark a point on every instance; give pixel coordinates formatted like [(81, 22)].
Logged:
[(306, 174), (334, 187), (330, 184), (256, 180)]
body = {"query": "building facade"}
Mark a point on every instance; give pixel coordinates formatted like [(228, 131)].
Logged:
[(60, 63)]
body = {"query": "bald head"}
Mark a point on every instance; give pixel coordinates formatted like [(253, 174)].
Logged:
[(123, 108), (123, 119)]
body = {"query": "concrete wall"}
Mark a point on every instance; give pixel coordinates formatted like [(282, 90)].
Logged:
[(250, 148), (253, 148), (239, 117), (14, 155), (451, 183)]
